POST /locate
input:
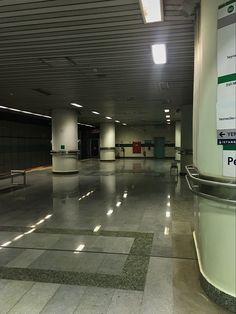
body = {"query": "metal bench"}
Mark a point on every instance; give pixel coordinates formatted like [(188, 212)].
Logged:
[(12, 174)]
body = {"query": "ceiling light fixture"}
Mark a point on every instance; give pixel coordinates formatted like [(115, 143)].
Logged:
[(168, 120), (167, 110), (117, 121), (152, 10), (124, 123), (109, 118), (95, 112), (89, 125), (76, 105), (168, 116), (25, 112), (159, 53)]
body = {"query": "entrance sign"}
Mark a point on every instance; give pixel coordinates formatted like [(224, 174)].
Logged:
[(226, 94)]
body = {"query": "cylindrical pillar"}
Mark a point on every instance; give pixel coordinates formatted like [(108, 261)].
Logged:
[(215, 220), (64, 141), (107, 141)]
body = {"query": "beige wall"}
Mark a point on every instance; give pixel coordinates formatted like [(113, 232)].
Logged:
[(128, 135)]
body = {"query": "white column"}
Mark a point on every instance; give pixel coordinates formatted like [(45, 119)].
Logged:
[(64, 141), (215, 221), (177, 140), (186, 137), (107, 141)]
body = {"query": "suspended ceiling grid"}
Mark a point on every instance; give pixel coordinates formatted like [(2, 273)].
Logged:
[(95, 53)]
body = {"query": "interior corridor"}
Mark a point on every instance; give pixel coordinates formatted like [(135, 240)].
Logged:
[(115, 238)]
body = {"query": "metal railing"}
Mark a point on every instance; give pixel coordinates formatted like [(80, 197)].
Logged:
[(204, 187)]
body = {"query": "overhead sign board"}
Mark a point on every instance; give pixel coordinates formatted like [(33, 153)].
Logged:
[(226, 94)]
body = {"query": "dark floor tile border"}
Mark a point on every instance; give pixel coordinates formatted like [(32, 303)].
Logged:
[(133, 275), (225, 300)]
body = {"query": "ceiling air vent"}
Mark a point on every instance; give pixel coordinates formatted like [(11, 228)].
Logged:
[(42, 91)]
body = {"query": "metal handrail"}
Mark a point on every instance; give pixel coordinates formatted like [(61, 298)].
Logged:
[(208, 182), (211, 197), (195, 188)]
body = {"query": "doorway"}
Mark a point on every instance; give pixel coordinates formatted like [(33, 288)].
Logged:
[(159, 147)]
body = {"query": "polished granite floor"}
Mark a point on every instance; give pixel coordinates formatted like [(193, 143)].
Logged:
[(117, 238)]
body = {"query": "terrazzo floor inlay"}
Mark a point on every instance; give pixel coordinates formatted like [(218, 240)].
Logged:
[(132, 277)]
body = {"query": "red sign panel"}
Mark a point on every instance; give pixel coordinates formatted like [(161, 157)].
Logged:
[(137, 147)]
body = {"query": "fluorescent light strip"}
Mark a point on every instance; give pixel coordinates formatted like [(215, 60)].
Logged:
[(152, 10), (117, 121), (25, 112), (124, 123), (95, 112), (109, 118), (89, 125), (167, 110), (76, 105), (167, 116), (159, 53)]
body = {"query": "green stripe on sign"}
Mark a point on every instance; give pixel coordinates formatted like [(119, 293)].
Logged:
[(229, 147), (227, 3), (227, 78)]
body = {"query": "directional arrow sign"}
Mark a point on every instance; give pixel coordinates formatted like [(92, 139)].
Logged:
[(226, 137)]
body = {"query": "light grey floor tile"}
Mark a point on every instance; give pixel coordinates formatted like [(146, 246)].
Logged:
[(112, 264), (125, 302), (158, 292), (35, 299), (25, 258), (181, 227), (65, 300), (37, 240), (95, 301), (11, 294)]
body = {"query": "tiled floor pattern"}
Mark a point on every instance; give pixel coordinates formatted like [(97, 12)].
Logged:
[(141, 260)]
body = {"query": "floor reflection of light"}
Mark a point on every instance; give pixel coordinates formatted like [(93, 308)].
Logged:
[(18, 237), (168, 196), (30, 231), (167, 231), (110, 212), (125, 195), (97, 228), (34, 227), (168, 214), (79, 248), (40, 222), (118, 204), (6, 243), (168, 204)]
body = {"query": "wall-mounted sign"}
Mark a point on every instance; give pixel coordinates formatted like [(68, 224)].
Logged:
[(226, 94), (229, 163), (137, 147), (226, 137)]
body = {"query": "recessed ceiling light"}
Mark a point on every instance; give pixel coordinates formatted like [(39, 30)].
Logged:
[(168, 120), (95, 112), (124, 123), (76, 105), (117, 121), (152, 10), (159, 53), (167, 110), (109, 118), (167, 116)]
